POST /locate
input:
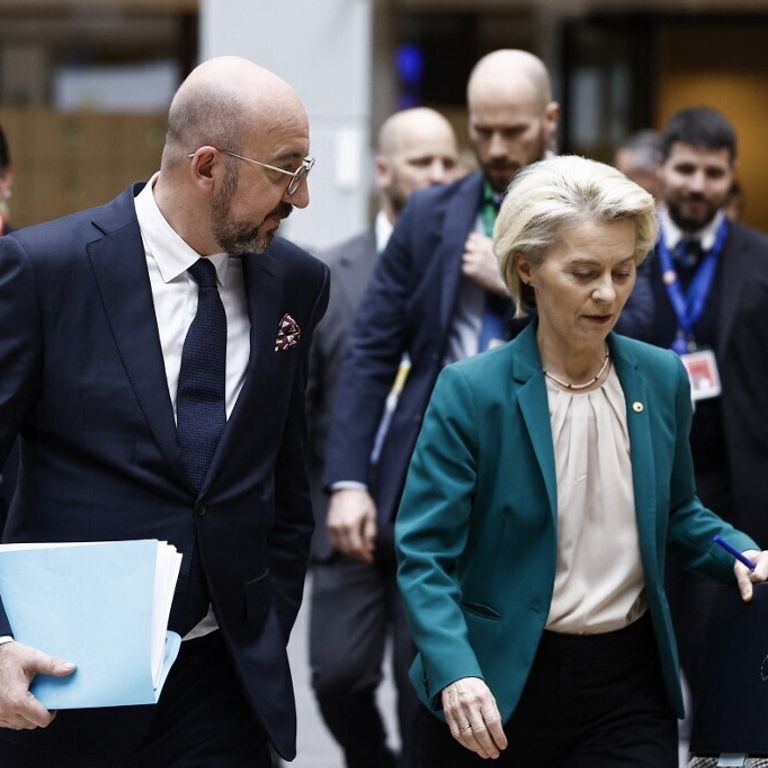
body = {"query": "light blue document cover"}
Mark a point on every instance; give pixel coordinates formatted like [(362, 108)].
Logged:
[(94, 605)]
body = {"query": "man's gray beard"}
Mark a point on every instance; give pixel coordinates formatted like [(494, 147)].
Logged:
[(235, 238), (233, 242)]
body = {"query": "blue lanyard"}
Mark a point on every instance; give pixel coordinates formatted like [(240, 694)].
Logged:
[(689, 307)]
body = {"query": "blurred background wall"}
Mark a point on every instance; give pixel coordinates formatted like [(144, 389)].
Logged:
[(85, 84)]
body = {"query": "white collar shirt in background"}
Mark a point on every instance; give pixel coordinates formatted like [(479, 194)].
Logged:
[(673, 234)]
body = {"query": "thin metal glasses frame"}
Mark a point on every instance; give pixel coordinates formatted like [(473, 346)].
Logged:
[(297, 176)]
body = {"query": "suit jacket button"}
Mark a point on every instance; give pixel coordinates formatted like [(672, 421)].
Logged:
[(200, 509)]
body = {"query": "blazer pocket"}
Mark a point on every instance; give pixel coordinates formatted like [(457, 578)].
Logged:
[(258, 598), (480, 609)]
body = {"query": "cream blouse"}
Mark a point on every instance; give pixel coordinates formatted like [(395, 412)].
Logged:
[(599, 579)]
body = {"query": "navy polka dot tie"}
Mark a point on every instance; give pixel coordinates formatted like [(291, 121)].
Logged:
[(200, 399)]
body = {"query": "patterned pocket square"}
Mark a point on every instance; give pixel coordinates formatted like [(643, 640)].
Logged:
[(288, 333)]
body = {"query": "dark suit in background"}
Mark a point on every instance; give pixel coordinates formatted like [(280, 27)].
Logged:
[(84, 386)]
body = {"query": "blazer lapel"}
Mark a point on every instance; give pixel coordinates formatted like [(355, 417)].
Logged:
[(120, 270), (534, 405), (264, 294), (458, 222), (640, 443)]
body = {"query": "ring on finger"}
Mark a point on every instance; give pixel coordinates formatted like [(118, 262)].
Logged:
[(467, 727)]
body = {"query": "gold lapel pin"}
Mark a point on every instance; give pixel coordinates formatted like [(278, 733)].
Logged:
[(637, 407)]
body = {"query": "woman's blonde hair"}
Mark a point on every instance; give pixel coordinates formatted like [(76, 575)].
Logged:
[(564, 192)]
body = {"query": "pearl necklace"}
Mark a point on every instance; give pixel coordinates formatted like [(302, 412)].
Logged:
[(567, 385)]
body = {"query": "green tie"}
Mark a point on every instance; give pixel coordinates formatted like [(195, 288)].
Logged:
[(492, 329)]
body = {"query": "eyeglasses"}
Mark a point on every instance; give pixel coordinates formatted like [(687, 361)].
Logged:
[(297, 176)]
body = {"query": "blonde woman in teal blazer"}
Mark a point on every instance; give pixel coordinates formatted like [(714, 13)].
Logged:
[(481, 567)]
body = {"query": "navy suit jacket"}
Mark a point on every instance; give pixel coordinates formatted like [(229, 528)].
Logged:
[(84, 387), (408, 307)]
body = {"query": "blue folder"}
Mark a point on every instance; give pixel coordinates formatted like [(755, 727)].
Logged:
[(103, 606)]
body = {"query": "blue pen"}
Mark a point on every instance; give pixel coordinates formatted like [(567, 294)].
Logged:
[(735, 552)]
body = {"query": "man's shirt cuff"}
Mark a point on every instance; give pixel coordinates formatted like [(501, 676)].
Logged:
[(347, 485)]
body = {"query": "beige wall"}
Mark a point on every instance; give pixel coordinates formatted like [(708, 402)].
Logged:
[(65, 162)]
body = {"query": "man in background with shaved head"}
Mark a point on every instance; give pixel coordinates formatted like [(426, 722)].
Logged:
[(155, 354), (436, 295), (356, 605)]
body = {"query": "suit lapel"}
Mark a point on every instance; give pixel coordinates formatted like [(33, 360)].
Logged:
[(120, 270), (458, 222), (534, 405), (638, 409), (264, 293)]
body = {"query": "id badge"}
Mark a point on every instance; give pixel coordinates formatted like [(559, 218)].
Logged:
[(702, 373)]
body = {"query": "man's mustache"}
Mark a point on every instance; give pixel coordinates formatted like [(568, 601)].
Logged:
[(283, 210)]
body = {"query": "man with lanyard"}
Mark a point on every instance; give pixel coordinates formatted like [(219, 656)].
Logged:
[(709, 287)]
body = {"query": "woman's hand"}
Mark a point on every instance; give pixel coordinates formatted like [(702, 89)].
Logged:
[(473, 717), (745, 578)]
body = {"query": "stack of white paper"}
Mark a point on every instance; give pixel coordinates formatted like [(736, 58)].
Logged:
[(102, 605)]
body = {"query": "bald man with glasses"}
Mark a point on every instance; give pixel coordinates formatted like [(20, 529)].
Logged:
[(155, 354)]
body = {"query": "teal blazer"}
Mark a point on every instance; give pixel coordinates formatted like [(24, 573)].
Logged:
[(476, 529)]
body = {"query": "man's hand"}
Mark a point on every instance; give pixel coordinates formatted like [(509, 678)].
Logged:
[(351, 523), (745, 578), (473, 717), (19, 709), (479, 264)]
